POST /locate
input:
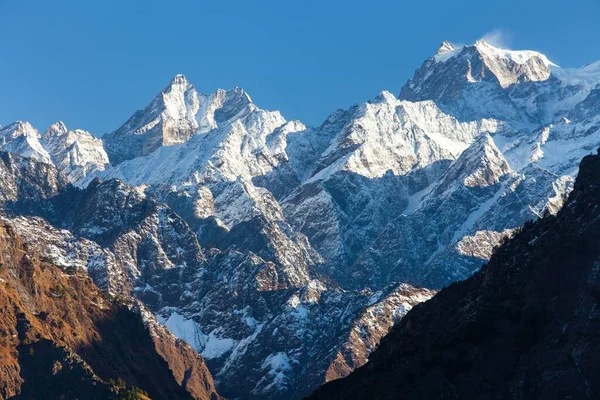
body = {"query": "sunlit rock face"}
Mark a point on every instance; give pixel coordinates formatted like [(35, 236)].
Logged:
[(270, 246)]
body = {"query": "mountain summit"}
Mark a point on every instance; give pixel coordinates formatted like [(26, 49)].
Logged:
[(446, 47), (176, 113), (484, 81)]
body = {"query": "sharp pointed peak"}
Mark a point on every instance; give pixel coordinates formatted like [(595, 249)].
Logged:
[(481, 164), (483, 42), (58, 127), (179, 82), (238, 93), (19, 128), (179, 79), (483, 142), (445, 47), (384, 97), (19, 125)]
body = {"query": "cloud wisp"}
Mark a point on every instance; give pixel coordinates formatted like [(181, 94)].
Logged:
[(498, 38)]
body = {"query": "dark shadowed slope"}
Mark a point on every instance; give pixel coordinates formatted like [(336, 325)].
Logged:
[(524, 327)]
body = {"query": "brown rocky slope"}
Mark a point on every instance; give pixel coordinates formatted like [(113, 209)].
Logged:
[(62, 338)]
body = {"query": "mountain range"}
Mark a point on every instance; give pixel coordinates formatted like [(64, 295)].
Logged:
[(284, 253), (523, 327)]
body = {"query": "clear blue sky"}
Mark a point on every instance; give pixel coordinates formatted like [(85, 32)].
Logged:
[(92, 63)]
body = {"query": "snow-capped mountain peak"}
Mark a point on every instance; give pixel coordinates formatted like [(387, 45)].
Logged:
[(19, 128), (510, 66), (176, 114), (390, 135), (76, 152), (179, 79), (517, 56), (169, 119), (22, 138), (522, 87), (179, 98), (56, 129), (445, 47), (228, 105)]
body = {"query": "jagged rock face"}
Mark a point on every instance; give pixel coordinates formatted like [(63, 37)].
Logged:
[(482, 81), (76, 153), (217, 182), (339, 188), (176, 114), (483, 243), (22, 138), (388, 135), (479, 191), (371, 145), (279, 343), (168, 119), (223, 214), (514, 330), (378, 155), (71, 253), (61, 337), (251, 145), (226, 303), (227, 296), (26, 179)]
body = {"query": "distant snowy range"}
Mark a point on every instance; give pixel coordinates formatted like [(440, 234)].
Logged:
[(283, 253)]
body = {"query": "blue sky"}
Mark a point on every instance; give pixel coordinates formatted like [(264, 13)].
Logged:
[(93, 63)]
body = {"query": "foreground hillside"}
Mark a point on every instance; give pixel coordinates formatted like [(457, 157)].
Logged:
[(523, 327), (62, 338)]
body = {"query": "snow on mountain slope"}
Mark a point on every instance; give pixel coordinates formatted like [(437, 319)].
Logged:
[(482, 81), (521, 170), (557, 147), (168, 119), (175, 115), (368, 141), (209, 180), (481, 165), (28, 180), (507, 66), (71, 253), (253, 236), (22, 138), (238, 149), (342, 183), (378, 155), (241, 311), (76, 153), (79, 340), (246, 142), (278, 344), (480, 191), (391, 135), (504, 332)]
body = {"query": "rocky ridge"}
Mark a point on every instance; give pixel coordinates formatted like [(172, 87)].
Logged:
[(233, 306), (417, 189), (521, 327)]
